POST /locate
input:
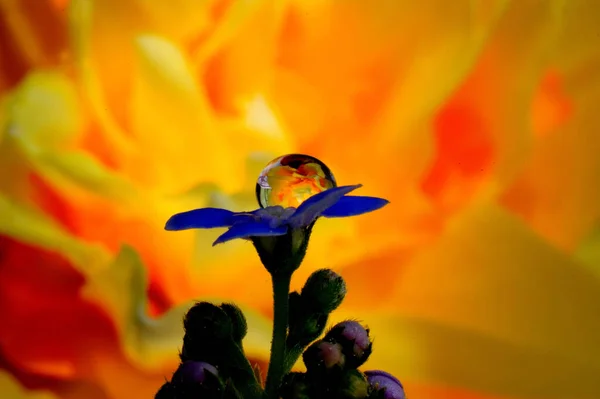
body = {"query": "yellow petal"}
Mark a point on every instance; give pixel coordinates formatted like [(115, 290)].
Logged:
[(179, 19), (576, 48), (151, 343), (33, 227), (238, 58), (70, 170), (588, 252), (81, 23), (362, 68), (121, 288), (495, 98), (44, 110), (438, 44), (173, 124), (489, 307), (558, 191), (11, 389)]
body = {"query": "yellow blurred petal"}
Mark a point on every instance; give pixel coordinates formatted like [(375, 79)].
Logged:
[(173, 125), (588, 252), (243, 64), (153, 342), (11, 389), (497, 94), (80, 13), (443, 44), (490, 307), (35, 228), (558, 191), (369, 73), (265, 128), (121, 288), (577, 44), (178, 19), (235, 17), (44, 110), (68, 170)]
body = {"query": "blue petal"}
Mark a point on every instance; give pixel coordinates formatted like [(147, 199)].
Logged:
[(312, 208), (250, 229), (204, 218), (352, 206)]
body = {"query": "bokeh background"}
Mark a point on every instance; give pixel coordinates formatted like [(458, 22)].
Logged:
[(478, 120)]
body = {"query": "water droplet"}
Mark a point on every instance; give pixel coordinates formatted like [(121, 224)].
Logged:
[(289, 180)]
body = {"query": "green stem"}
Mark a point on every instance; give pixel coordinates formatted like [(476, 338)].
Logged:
[(281, 290)]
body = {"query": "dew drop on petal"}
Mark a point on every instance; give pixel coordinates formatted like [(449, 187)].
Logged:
[(291, 179)]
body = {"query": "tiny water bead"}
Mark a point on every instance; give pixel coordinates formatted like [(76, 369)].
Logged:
[(291, 179)]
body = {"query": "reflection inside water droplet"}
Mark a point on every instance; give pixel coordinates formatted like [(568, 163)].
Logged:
[(290, 179)]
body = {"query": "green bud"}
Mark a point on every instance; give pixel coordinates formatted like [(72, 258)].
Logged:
[(324, 290), (353, 385), (296, 307), (295, 386), (207, 321), (238, 321), (209, 337), (304, 324), (208, 329)]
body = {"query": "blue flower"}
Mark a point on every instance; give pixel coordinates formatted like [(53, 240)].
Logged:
[(276, 220)]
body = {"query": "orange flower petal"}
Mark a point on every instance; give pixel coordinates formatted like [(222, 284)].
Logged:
[(487, 295)]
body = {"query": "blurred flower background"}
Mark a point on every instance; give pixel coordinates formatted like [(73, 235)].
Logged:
[(477, 119)]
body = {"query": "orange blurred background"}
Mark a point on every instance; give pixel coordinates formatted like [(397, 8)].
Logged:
[(478, 120)]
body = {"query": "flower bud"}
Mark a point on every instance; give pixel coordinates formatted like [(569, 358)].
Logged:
[(208, 334), (238, 321), (195, 378), (295, 386), (230, 391), (354, 339), (385, 385), (353, 385), (166, 391), (296, 306), (324, 290), (207, 321), (323, 355), (304, 325), (192, 372)]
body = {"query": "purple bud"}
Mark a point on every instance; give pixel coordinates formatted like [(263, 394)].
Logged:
[(354, 339), (192, 372), (323, 355), (382, 381)]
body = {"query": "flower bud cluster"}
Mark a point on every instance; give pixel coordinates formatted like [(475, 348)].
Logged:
[(309, 310), (346, 346), (213, 364), (332, 369)]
